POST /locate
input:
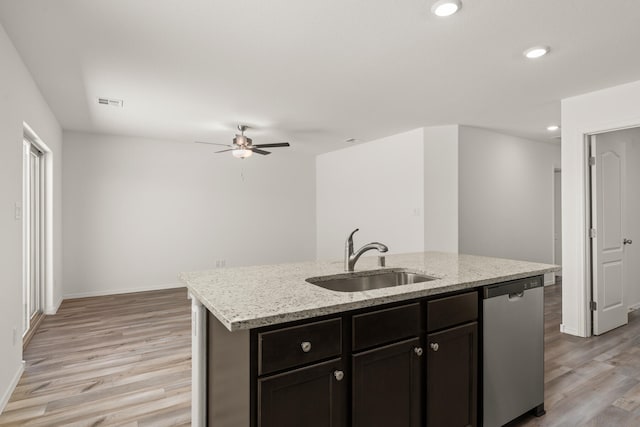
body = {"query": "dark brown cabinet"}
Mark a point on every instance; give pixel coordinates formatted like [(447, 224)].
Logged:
[(387, 384), (452, 361), (407, 365), (314, 396), (452, 376)]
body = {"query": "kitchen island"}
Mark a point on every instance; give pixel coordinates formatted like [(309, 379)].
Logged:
[(245, 318)]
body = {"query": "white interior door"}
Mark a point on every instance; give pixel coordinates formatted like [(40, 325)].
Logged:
[(608, 210)]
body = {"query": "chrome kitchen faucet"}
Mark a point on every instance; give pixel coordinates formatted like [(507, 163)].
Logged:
[(350, 257)]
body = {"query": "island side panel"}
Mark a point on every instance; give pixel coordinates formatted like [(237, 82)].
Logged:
[(198, 363), (228, 376)]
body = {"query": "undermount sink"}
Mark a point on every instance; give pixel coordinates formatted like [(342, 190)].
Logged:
[(367, 280)]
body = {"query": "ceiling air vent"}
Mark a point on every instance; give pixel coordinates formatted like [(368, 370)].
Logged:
[(111, 102)]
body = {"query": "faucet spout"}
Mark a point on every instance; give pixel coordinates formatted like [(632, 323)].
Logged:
[(351, 257)]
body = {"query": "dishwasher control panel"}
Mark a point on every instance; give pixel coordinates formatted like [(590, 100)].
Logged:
[(512, 287)]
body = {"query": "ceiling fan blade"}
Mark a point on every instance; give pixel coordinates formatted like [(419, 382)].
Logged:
[(212, 143), (258, 151), (278, 144), (224, 151)]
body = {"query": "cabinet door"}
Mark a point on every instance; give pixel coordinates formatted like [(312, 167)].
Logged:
[(387, 383), (452, 375), (315, 396)]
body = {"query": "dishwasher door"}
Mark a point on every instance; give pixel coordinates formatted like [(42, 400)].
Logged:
[(513, 350)]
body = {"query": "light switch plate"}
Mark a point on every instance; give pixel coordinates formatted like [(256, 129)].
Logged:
[(18, 211)]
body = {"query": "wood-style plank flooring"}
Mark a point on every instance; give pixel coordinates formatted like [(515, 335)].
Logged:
[(589, 382), (126, 360), (110, 360)]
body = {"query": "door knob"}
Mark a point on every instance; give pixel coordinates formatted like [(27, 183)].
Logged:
[(627, 241)]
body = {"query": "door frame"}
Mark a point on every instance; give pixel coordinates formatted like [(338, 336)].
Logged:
[(554, 222), (586, 181), (49, 305)]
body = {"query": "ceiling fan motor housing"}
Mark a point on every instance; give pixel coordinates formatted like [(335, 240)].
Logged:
[(242, 141)]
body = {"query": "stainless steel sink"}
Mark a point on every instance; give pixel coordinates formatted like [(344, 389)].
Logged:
[(367, 280)]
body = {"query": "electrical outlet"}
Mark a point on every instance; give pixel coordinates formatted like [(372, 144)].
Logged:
[(416, 212), (18, 211), (221, 263)]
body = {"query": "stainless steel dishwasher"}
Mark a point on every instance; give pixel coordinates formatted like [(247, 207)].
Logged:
[(513, 350)]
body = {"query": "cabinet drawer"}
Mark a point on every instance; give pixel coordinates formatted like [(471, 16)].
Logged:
[(385, 326), (451, 311), (298, 345)]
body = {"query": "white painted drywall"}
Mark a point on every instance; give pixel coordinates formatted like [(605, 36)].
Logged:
[(139, 211), (376, 187), (20, 102), (441, 188), (506, 195), (599, 111)]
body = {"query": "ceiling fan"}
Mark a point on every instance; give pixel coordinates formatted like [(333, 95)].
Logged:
[(243, 146)]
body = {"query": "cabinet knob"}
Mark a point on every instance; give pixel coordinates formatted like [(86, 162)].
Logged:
[(306, 346), (339, 375), (418, 351), (627, 241), (434, 346)]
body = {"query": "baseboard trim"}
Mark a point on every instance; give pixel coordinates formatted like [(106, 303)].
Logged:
[(549, 279), (14, 383), (634, 307), (570, 331), (50, 311), (123, 291)]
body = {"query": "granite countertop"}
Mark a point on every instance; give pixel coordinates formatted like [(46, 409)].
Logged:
[(251, 297)]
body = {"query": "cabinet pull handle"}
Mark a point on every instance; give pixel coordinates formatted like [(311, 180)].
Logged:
[(339, 375), (434, 346), (306, 346), (418, 351)]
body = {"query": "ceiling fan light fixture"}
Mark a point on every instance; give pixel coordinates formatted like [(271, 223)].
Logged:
[(241, 153), (444, 8)]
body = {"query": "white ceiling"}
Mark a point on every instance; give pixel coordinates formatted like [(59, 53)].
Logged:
[(317, 72)]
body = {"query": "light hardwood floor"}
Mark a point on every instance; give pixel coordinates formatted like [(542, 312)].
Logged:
[(126, 360), (111, 360), (589, 382)]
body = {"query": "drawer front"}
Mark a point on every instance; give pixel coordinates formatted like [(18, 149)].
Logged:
[(385, 326), (298, 345), (451, 311)]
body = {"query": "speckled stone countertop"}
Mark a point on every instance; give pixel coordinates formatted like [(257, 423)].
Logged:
[(255, 296)]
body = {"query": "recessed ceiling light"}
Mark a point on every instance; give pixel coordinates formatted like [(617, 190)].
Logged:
[(444, 8), (536, 52), (553, 128)]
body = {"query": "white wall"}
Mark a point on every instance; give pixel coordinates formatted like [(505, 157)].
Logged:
[(594, 112), (20, 101), (376, 187), (139, 211), (441, 188), (506, 195)]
